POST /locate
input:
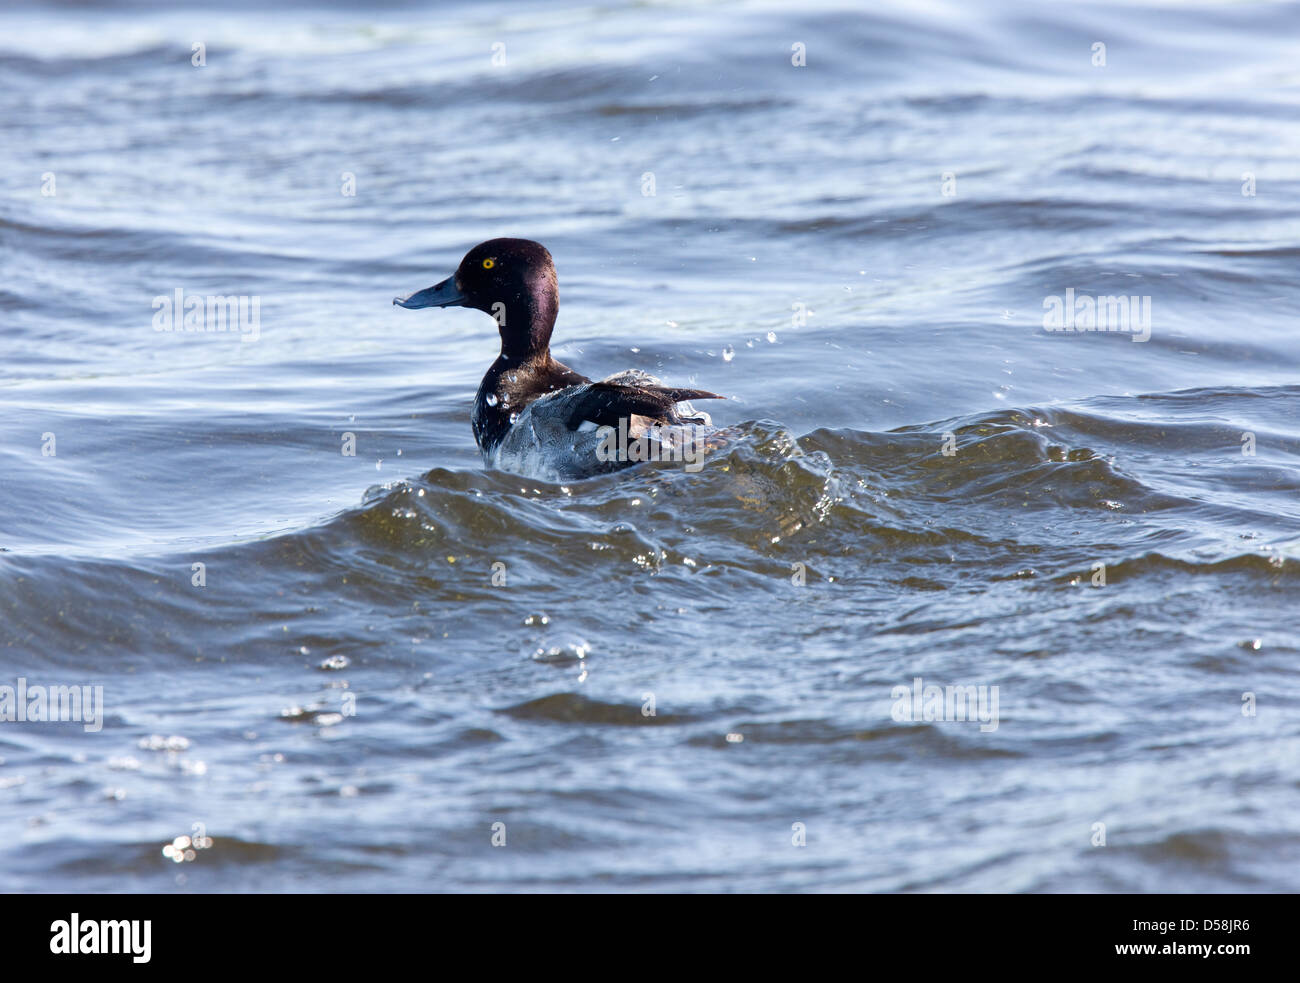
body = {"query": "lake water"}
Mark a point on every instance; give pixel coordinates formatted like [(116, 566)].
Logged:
[(396, 671)]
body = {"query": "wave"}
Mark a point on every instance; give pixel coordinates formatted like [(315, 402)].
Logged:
[(1030, 496)]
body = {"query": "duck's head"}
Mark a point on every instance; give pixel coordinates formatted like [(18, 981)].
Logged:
[(511, 279)]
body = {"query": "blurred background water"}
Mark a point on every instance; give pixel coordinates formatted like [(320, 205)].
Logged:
[(848, 221)]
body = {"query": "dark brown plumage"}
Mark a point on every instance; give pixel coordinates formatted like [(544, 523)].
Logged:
[(514, 280)]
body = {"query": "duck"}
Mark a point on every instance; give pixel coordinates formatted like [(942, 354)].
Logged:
[(535, 416)]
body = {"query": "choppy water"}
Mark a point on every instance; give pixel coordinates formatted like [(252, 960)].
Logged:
[(466, 702)]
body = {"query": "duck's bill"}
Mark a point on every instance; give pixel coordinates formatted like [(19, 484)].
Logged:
[(443, 294)]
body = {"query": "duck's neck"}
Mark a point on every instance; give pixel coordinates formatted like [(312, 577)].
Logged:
[(526, 322), (524, 370)]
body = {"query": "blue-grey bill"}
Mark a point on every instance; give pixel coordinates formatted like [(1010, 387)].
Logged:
[(445, 294)]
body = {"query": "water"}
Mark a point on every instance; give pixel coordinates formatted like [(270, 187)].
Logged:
[(394, 651)]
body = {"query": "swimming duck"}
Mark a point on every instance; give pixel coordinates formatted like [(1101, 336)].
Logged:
[(534, 415)]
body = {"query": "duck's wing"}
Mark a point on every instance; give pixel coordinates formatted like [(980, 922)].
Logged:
[(605, 403), (557, 437)]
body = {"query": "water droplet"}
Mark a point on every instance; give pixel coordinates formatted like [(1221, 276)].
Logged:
[(728, 353), (562, 652), (771, 337), (514, 417), (491, 399)]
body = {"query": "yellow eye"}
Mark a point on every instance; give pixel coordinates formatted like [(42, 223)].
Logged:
[(489, 263)]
